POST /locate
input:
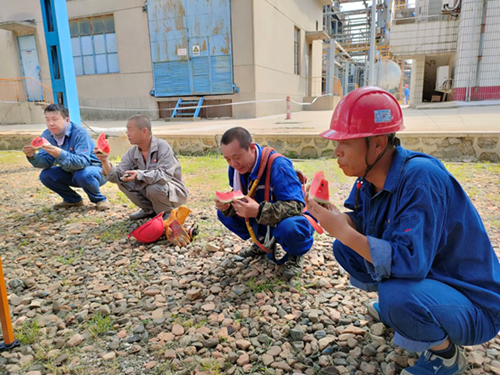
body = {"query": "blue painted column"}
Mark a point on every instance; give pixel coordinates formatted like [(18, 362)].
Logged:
[(62, 70)]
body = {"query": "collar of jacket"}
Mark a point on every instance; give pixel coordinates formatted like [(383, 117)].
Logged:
[(68, 130), (152, 148), (255, 170), (395, 172)]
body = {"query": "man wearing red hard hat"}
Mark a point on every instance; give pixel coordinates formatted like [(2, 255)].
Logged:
[(413, 235)]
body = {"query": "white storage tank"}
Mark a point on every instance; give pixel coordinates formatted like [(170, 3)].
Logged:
[(387, 75)]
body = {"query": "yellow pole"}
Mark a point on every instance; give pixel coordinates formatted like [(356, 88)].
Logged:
[(8, 332)]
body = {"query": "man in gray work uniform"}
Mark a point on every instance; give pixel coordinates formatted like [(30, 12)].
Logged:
[(149, 173)]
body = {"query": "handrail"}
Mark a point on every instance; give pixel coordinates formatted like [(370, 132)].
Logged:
[(24, 89)]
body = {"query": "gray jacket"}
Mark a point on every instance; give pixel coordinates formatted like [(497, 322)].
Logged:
[(161, 167)]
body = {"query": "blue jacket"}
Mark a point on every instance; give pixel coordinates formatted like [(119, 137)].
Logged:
[(78, 151), (423, 225), (284, 186)]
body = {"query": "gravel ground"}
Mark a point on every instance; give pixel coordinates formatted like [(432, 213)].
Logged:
[(85, 299)]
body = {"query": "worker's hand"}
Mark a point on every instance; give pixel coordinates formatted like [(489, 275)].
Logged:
[(29, 150), (221, 206), (100, 155), (129, 176), (52, 150), (330, 218), (246, 207)]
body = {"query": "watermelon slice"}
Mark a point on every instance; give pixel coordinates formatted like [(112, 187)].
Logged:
[(38, 142), (102, 144), (229, 196), (319, 188)]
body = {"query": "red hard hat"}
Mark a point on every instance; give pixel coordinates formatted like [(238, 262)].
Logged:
[(365, 112), (150, 231)]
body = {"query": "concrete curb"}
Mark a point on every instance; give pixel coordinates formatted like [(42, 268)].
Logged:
[(453, 146)]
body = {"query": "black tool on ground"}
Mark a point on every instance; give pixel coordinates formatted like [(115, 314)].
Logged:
[(193, 231)]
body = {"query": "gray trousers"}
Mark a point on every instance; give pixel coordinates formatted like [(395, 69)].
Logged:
[(150, 198)]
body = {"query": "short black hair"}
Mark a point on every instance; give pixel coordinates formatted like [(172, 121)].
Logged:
[(63, 111), (393, 140), (239, 133), (142, 122)]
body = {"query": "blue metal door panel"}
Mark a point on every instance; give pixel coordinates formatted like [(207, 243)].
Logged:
[(191, 47), (171, 78), (221, 74)]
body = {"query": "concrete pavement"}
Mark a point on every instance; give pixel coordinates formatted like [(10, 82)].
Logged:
[(461, 119)]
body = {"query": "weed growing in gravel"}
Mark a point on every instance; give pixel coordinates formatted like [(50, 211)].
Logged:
[(28, 333), (99, 325), (263, 285), (70, 260), (213, 366)]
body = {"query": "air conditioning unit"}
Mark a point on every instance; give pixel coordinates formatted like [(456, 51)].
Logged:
[(447, 4), (443, 79)]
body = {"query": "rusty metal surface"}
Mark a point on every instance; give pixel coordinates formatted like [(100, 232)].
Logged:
[(191, 46)]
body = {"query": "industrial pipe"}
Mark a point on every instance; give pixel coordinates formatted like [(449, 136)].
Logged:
[(481, 41)]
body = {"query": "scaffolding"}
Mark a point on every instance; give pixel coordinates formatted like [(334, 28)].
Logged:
[(349, 24)]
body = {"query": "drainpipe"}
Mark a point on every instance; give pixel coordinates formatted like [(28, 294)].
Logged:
[(481, 40), (469, 83), (373, 47)]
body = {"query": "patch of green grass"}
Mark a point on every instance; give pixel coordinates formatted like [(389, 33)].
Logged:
[(71, 259), (260, 286), (99, 325), (13, 157), (212, 366), (299, 284), (114, 231), (28, 333), (495, 223)]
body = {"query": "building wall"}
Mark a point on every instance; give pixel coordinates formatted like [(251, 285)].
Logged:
[(274, 22), (421, 38), (242, 30), (488, 83), (10, 66), (130, 88), (263, 55)]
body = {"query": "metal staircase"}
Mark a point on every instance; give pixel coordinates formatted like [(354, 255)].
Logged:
[(187, 109)]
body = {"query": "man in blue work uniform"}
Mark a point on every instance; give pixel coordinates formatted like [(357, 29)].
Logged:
[(69, 160), (407, 94), (282, 215), (411, 233)]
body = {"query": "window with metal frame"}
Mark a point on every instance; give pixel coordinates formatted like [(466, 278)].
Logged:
[(296, 51), (93, 41)]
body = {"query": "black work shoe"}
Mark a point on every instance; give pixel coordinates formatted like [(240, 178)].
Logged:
[(293, 266), (251, 252), (141, 214)]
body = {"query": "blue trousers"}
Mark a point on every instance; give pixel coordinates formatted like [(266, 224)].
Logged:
[(60, 182), (424, 313), (294, 234)]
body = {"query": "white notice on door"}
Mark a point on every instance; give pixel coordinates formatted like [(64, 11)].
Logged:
[(181, 51), (196, 50)]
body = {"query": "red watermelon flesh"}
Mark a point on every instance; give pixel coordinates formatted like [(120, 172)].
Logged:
[(229, 196), (319, 188), (102, 144), (39, 142)]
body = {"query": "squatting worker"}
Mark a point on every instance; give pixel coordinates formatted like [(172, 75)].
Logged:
[(413, 235), (149, 173), (68, 161), (282, 215)]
